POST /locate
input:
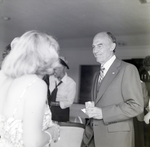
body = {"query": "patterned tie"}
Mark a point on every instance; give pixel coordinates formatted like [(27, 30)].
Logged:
[(101, 75)]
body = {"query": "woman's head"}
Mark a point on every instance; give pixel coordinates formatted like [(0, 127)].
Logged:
[(32, 53)]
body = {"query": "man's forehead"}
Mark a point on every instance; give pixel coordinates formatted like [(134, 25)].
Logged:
[(101, 37), (99, 40)]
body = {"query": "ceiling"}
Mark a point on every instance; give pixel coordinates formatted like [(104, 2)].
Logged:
[(74, 19)]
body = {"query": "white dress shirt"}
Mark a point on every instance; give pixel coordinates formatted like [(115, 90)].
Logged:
[(66, 90), (108, 64)]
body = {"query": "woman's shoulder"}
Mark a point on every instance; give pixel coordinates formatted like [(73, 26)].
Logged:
[(34, 86), (31, 80)]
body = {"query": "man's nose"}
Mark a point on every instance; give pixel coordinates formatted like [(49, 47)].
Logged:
[(96, 50)]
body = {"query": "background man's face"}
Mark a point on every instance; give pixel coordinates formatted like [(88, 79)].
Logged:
[(58, 71)]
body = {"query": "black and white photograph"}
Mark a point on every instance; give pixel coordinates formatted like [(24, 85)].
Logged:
[(74, 73)]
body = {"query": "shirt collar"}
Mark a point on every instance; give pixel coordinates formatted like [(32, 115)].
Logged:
[(109, 63)]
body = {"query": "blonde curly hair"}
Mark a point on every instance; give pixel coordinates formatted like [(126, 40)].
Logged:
[(32, 53)]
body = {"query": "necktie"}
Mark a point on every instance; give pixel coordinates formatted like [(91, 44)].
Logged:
[(101, 75), (54, 93)]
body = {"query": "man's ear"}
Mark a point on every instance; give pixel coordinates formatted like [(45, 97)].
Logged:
[(113, 46)]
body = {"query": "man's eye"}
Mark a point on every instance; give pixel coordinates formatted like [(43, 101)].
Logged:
[(99, 45)]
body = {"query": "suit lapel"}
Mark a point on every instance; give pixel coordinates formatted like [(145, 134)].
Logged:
[(94, 87), (110, 75)]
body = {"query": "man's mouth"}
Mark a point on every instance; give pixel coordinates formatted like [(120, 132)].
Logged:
[(96, 55)]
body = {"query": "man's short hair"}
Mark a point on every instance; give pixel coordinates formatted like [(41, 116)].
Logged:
[(112, 37)]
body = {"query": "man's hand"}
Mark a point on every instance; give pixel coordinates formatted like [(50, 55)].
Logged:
[(94, 112)]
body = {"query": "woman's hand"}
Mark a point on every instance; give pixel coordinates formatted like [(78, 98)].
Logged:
[(55, 132)]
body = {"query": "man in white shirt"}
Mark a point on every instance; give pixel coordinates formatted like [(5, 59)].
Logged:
[(66, 91), (117, 94)]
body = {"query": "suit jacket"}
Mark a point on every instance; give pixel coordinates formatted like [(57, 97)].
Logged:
[(120, 97)]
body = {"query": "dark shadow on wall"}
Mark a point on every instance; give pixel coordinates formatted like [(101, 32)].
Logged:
[(86, 78)]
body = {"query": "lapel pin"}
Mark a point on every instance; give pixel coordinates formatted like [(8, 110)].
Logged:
[(113, 73)]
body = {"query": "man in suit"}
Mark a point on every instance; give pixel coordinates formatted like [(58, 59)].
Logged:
[(117, 94)]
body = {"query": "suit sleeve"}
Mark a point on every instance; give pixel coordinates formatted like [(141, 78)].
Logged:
[(131, 92)]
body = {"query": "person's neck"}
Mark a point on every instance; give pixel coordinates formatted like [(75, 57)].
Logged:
[(102, 64)]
